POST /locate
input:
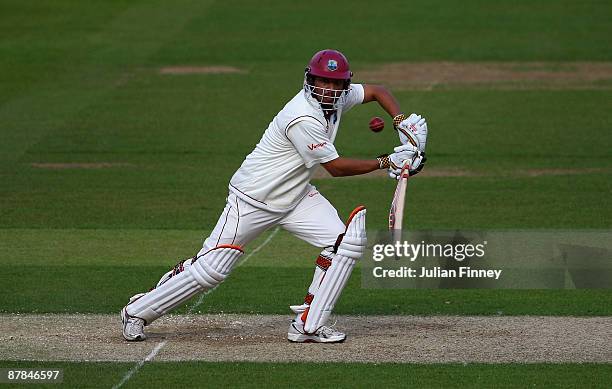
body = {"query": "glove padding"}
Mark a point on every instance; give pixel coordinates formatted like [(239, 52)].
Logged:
[(413, 130), (415, 167), (401, 155)]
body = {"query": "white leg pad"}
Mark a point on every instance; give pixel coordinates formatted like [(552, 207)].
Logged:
[(206, 272), (349, 250)]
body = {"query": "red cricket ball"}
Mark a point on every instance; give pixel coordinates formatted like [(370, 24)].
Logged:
[(377, 124)]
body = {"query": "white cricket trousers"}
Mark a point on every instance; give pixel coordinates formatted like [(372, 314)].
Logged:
[(313, 220)]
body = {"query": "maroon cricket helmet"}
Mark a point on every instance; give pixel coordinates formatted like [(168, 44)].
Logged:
[(329, 63)]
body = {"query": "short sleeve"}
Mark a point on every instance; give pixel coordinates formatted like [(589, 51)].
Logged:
[(311, 142), (354, 97)]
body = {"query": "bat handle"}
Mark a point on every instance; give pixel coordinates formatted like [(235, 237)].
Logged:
[(405, 173)]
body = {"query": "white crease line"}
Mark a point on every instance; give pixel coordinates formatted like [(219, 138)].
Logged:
[(148, 358), (161, 345), (265, 242)]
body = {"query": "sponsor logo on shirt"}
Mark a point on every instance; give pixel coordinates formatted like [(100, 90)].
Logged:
[(319, 145)]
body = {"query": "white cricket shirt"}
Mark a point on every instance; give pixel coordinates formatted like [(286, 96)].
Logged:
[(276, 175)]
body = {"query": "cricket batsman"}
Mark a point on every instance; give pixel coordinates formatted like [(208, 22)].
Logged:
[(272, 188)]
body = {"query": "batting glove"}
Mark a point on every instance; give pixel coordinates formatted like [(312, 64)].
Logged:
[(394, 162), (417, 164), (412, 129)]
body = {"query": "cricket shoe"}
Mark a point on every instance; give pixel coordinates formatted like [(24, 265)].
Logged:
[(322, 335), (133, 327)]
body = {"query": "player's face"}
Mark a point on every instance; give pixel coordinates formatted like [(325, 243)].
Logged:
[(328, 89)]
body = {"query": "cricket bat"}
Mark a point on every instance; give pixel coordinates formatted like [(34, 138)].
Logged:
[(396, 213)]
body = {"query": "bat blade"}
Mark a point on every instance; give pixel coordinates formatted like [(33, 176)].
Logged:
[(396, 213)]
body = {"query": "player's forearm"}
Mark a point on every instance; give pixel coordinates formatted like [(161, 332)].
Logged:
[(341, 167), (384, 98)]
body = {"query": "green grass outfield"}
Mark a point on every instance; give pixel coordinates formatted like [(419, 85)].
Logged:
[(331, 375), (122, 262), (80, 84)]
